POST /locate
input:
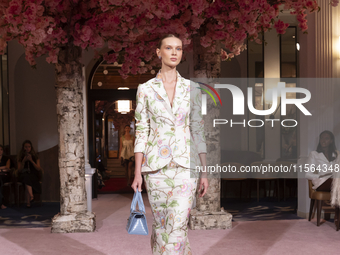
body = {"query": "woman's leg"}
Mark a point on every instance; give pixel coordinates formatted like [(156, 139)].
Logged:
[(2, 205), (1, 190), (30, 196), (171, 192)]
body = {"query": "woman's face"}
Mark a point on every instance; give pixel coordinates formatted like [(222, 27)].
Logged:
[(171, 51), (325, 140), (27, 147), (127, 130)]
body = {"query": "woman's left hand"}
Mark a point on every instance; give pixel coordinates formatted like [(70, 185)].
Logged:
[(204, 184), (29, 157)]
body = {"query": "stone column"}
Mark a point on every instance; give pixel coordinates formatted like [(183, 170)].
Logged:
[(208, 213), (73, 216)]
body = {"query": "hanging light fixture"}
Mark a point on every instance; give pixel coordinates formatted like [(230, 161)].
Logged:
[(123, 106)]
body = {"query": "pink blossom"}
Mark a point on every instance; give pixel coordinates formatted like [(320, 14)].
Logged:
[(280, 27), (86, 33), (40, 10), (31, 11), (14, 8), (334, 3)]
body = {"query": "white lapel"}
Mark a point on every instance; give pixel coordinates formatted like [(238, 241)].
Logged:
[(180, 91)]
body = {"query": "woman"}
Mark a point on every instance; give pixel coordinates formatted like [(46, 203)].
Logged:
[(321, 163), (126, 152), (29, 167), (162, 149), (4, 172)]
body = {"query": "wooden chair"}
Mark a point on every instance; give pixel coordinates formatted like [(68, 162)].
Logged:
[(224, 180), (264, 178), (319, 197), (337, 212), (9, 185)]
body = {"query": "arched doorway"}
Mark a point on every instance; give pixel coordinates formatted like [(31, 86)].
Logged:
[(106, 124)]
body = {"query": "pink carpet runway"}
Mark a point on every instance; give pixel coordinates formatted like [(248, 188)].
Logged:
[(272, 237)]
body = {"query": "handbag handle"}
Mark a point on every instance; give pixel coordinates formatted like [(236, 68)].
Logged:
[(137, 197)]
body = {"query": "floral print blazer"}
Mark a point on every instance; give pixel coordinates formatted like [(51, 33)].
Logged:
[(164, 133)]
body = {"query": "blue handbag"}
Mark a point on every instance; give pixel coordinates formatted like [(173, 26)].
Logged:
[(137, 221)]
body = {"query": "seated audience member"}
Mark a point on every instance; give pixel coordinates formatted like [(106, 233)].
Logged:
[(4, 172), (320, 163), (29, 167)]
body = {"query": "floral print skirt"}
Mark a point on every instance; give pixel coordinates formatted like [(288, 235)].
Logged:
[(171, 192)]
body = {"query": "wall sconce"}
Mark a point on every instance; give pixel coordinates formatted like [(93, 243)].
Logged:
[(298, 46), (123, 106)]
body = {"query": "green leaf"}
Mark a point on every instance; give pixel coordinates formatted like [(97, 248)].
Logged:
[(173, 203), (170, 182), (154, 119), (138, 116), (169, 133), (165, 237), (150, 159), (164, 205), (149, 143)]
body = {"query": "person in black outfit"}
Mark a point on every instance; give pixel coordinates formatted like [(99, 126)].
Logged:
[(4, 172), (29, 167)]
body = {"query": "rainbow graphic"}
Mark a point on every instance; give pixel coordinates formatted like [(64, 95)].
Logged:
[(209, 93)]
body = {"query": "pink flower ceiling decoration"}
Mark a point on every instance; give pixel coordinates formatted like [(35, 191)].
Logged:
[(131, 28)]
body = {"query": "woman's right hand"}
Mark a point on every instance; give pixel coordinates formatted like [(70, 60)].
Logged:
[(137, 183)]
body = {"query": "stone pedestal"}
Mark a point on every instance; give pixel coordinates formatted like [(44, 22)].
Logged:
[(210, 220), (88, 183), (75, 222)]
